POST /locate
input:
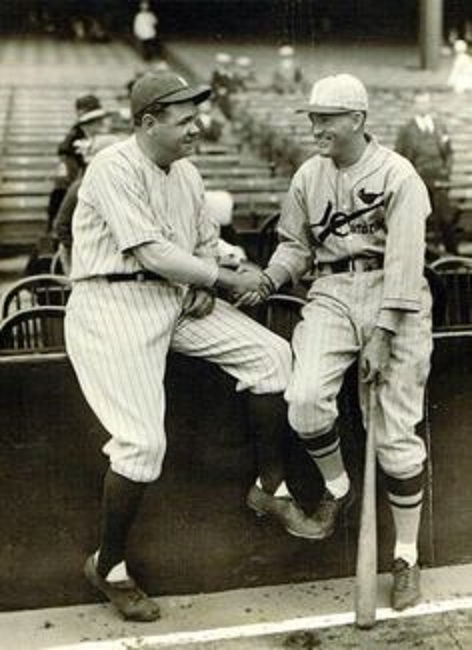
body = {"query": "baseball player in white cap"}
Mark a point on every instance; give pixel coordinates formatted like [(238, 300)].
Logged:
[(355, 214), (143, 272)]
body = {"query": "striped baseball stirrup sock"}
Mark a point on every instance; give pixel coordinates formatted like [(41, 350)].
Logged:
[(325, 451), (406, 498)]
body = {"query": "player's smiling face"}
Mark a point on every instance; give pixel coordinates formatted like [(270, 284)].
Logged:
[(333, 133), (176, 131)]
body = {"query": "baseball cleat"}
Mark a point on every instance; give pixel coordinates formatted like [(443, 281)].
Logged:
[(406, 590), (130, 601), (329, 510), (292, 518)]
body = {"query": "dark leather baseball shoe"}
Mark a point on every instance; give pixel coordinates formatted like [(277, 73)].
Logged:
[(130, 601), (329, 510), (406, 590), (285, 511)]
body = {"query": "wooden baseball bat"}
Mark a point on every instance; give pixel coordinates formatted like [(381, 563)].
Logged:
[(366, 570)]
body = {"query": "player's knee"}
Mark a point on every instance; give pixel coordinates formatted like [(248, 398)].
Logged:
[(403, 462), (141, 462), (311, 411), (277, 363)]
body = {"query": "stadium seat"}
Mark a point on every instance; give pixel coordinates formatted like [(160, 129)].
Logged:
[(39, 329), (455, 273), (33, 291)]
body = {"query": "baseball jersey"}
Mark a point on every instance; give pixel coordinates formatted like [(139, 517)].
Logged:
[(125, 201), (377, 206)]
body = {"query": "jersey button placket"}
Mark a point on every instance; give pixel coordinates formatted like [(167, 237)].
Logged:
[(344, 196)]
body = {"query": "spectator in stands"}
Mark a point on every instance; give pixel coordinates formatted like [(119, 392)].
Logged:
[(211, 122), (288, 76), (460, 76), (245, 75), (91, 119), (424, 140), (223, 82), (70, 164), (63, 222), (145, 31)]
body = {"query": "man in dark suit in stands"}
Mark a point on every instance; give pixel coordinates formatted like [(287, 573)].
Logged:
[(425, 141)]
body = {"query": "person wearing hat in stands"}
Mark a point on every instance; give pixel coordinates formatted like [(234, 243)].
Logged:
[(355, 216), (144, 273), (89, 112), (63, 221), (288, 76)]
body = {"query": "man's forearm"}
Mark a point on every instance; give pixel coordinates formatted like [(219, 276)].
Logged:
[(176, 264)]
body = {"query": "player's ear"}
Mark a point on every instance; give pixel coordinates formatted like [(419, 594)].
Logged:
[(148, 121), (358, 119)]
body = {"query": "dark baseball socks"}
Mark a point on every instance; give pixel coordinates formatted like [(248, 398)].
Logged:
[(121, 501), (325, 450)]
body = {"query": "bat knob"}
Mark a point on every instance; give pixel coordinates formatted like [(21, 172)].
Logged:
[(365, 625)]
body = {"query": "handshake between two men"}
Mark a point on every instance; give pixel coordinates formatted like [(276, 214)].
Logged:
[(247, 285)]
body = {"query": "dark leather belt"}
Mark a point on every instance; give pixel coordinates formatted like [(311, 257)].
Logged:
[(350, 265), (139, 276)]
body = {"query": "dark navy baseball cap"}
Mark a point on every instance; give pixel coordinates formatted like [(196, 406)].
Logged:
[(166, 88)]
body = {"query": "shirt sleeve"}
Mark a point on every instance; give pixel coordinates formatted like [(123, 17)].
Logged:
[(116, 193), (121, 200), (293, 252), (406, 211)]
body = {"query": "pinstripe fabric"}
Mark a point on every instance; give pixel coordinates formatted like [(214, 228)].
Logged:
[(118, 334), (117, 337), (126, 200), (377, 206), (336, 324)]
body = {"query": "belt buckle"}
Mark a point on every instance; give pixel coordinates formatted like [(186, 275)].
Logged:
[(140, 277), (351, 265)]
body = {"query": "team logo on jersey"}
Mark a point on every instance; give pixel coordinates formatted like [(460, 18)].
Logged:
[(335, 222), (368, 197)]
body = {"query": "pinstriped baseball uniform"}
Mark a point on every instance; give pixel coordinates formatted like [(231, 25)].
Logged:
[(377, 206), (118, 334)]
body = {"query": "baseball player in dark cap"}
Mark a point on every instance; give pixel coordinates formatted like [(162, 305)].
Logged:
[(144, 270), (355, 214)]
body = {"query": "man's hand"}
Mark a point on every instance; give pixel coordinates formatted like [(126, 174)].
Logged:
[(251, 298), (198, 303), (375, 359), (246, 280)]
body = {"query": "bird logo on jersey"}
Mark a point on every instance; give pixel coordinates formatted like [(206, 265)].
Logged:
[(368, 197)]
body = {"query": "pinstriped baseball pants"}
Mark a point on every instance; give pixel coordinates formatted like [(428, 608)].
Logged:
[(118, 336), (337, 322)]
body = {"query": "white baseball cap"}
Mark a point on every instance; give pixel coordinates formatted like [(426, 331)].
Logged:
[(340, 93)]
